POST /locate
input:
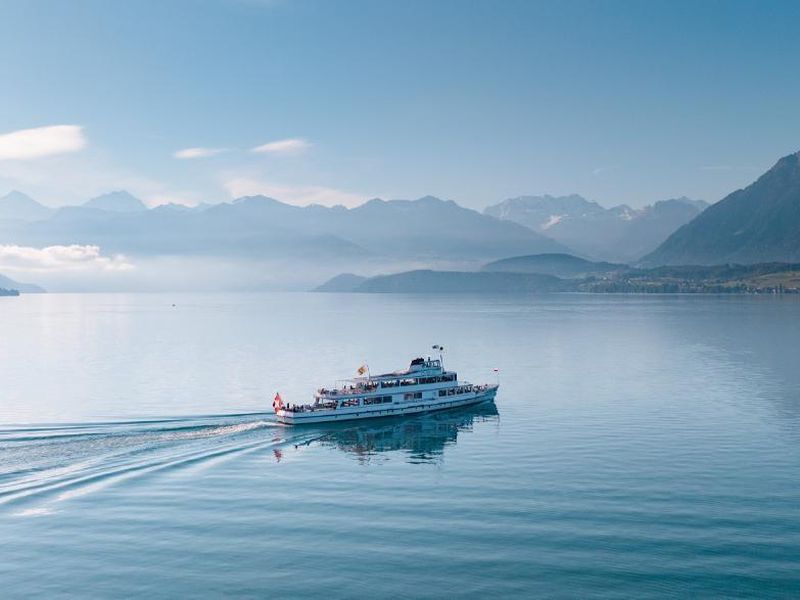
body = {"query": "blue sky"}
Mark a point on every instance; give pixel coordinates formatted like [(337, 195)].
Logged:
[(473, 101)]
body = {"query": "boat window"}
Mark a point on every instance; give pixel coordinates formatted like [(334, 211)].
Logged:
[(378, 400), (351, 402)]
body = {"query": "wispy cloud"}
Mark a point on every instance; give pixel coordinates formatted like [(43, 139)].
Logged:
[(39, 142), (716, 168), (300, 195), (601, 170), (198, 152), (74, 257), (287, 147)]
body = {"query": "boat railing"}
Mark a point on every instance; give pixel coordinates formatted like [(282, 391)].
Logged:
[(374, 384), (465, 387), (360, 388)]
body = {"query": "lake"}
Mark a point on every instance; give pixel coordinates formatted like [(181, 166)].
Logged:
[(640, 446)]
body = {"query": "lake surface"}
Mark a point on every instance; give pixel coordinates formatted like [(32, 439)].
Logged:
[(639, 447)]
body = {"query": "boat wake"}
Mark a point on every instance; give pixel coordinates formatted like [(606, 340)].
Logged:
[(44, 465), (41, 466)]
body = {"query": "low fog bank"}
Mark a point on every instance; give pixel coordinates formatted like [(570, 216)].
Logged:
[(206, 274)]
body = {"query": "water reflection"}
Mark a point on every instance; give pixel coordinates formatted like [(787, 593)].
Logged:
[(421, 438)]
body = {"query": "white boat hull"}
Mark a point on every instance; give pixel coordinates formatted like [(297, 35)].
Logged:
[(288, 417)]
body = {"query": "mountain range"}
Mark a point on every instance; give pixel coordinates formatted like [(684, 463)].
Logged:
[(257, 226), (619, 234), (760, 223), (277, 242)]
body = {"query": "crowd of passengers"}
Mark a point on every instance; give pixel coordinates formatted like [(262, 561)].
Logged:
[(373, 385), (294, 408)]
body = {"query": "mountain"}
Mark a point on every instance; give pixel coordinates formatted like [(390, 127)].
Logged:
[(541, 213), (430, 227), (655, 223), (346, 282), (760, 223), (18, 206), (559, 265), (119, 201), (617, 234), (462, 282), (25, 288)]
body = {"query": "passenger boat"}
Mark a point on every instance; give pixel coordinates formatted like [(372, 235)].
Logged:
[(424, 387)]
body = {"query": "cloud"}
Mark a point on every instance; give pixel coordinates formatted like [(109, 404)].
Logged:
[(27, 144), (716, 168), (601, 170), (60, 258), (198, 152), (300, 195), (287, 147)]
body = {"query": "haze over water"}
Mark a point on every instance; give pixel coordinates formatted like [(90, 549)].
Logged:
[(639, 447)]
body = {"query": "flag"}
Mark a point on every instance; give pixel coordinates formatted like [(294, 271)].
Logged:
[(277, 404), (363, 369)]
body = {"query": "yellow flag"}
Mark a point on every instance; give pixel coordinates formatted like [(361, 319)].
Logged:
[(362, 369)]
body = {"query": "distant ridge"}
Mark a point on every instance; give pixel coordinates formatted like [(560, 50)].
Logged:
[(346, 282), (16, 205), (579, 275), (118, 201), (25, 288), (433, 282), (760, 223), (560, 265), (617, 234)]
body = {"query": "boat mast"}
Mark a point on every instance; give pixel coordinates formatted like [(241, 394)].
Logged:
[(440, 350)]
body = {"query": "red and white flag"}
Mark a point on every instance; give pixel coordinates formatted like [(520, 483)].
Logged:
[(277, 404)]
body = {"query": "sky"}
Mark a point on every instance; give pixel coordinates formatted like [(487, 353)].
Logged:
[(337, 102)]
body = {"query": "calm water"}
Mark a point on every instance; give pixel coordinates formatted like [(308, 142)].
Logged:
[(639, 447)]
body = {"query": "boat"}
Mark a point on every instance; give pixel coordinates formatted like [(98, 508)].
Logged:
[(424, 387)]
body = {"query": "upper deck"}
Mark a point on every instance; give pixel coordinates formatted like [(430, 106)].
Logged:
[(421, 372), (418, 367)]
